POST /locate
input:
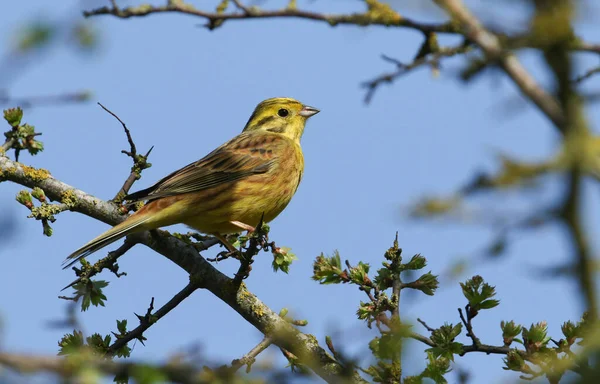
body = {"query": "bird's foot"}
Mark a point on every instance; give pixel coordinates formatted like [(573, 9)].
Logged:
[(243, 226)]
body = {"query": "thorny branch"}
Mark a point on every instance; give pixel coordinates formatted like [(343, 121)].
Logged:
[(150, 318), (107, 262), (589, 73), (490, 44), (423, 59), (468, 325), (245, 303), (380, 14), (216, 19), (139, 161)]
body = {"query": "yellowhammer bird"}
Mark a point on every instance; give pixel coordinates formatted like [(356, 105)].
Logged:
[(254, 174)]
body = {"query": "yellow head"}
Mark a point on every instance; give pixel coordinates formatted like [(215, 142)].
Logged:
[(281, 115)]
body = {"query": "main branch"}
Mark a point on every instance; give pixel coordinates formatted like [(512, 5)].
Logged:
[(185, 256)]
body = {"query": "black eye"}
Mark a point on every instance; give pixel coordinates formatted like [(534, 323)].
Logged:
[(283, 112)]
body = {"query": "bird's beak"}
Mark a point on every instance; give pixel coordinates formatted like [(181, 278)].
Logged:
[(307, 111)]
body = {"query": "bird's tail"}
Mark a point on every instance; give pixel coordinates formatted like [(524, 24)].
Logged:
[(134, 223)]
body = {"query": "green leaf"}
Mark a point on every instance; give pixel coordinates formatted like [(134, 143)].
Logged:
[(443, 338), (70, 343), (360, 274), (365, 311), (427, 283), (98, 343), (479, 293), (282, 259), (489, 304), (384, 278), (122, 326), (436, 368), (13, 116), (416, 262), (91, 293), (328, 270)]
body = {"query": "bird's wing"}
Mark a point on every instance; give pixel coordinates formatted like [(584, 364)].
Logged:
[(245, 155)]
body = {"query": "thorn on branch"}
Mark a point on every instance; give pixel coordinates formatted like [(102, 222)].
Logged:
[(140, 162), (109, 262), (150, 318), (467, 323), (425, 325)]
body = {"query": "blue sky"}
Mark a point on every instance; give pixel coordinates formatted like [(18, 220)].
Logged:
[(186, 90)]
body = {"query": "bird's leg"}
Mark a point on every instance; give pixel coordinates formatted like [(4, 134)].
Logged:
[(243, 226), (226, 243)]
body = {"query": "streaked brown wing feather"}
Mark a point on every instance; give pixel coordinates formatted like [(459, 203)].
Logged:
[(245, 155)]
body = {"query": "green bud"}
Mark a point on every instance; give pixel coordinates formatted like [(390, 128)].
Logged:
[(384, 278), (282, 259), (70, 343), (39, 194), (24, 197), (510, 330), (571, 332), (13, 116), (515, 362), (365, 311), (536, 337)]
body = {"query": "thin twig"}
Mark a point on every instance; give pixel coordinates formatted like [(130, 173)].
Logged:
[(469, 326), (107, 262), (139, 162), (241, 6), (216, 19), (430, 60), (150, 319), (489, 43), (427, 327), (249, 358), (8, 144), (589, 73), (127, 132)]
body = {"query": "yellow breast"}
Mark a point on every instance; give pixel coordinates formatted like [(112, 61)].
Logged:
[(247, 200)]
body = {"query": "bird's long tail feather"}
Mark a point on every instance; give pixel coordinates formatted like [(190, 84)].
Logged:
[(133, 224)]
